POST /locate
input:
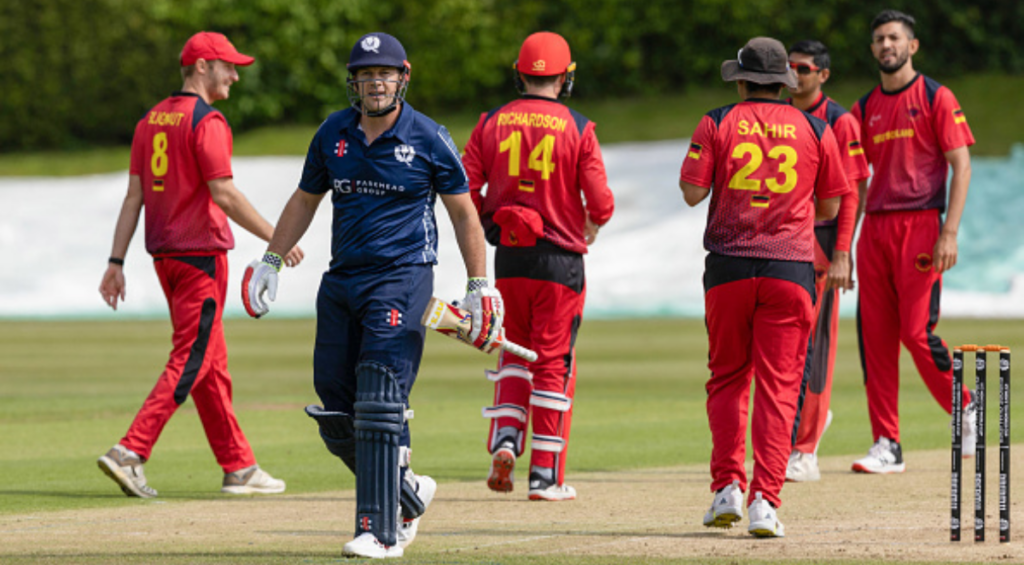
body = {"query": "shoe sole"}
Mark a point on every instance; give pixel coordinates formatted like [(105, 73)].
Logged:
[(766, 532), (724, 520), (500, 479), (551, 498), (111, 469), (390, 553), (251, 490), (858, 468)]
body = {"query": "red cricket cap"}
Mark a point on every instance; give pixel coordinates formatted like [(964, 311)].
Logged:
[(544, 54), (211, 46)]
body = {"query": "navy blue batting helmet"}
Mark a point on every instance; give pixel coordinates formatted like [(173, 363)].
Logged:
[(377, 50)]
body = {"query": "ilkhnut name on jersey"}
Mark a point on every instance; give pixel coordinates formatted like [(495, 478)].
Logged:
[(165, 118), (361, 186)]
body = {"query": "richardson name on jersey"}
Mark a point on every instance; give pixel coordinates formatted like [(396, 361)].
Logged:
[(532, 120), (892, 134), (165, 118), (766, 130), (360, 186)]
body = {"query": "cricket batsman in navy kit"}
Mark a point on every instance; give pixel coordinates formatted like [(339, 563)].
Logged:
[(384, 164)]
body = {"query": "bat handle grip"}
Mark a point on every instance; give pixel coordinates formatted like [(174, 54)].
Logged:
[(519, 350)]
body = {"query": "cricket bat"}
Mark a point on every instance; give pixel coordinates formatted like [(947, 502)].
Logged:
[(457, 323)]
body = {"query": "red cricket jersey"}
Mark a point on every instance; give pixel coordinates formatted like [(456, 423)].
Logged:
[(847, 131), (180, 145), (766, 162), (539, 154), (905, 135)]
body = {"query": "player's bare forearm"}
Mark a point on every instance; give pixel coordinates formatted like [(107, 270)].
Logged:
[(238, 208), (298, 213), (693, 194), (944, 256), (862, 192), (112, 285), (468, 233), (128, 220), (826, 208), (960, 160)]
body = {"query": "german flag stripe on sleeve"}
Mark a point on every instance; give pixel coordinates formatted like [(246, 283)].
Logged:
[(695, 149), (855, 148), (958, 116)]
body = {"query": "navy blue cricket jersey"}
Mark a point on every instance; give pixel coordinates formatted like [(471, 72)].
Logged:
[(383, 194)]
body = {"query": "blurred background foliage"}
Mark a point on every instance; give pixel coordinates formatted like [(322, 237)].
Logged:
[(80, 73)]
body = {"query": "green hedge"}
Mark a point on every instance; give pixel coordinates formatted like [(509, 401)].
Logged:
[(81, 72)]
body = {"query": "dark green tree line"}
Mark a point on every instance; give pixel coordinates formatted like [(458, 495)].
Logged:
[(81, 72)]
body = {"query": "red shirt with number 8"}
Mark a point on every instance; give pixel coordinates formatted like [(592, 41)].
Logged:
[(178, 146), (765, 161)]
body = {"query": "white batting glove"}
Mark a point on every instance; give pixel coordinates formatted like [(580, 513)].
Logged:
[(260, 277), (488, 310)]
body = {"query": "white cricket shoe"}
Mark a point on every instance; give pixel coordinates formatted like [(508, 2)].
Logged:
[(426, 487), (124, 466), (503, 465), (251, 480), (367, 545), (969, 431), (802, 468), (541, 489), (884, 457), (764, 520), (726, 508)]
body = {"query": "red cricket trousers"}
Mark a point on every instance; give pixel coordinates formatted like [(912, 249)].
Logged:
[(817, 393), (195, 287), (544, 292), (757, 329), (899, 303)]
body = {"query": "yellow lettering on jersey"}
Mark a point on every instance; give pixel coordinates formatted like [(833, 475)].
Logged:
[(775, 131), (544, 121), (165, 118), (892, 134)]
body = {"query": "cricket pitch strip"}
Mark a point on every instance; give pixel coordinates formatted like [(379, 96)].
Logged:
[(635, 515)]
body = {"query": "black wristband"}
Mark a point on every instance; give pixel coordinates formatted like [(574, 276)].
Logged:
[(116, 261)]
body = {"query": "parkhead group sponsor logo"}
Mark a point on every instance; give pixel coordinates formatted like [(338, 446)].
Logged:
[(368, 187)]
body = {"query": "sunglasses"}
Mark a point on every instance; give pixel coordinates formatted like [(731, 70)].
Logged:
[(804, 68)]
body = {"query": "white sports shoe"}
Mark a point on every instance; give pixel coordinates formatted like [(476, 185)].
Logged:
[(425, 488), (726, 508), (802, 468), (251, 480), (969, 431), (124, 466), (884, 457), (541, 489), (366, 545), (764, 521)]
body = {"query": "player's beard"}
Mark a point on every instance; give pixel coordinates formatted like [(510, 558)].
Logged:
[(901, 59)]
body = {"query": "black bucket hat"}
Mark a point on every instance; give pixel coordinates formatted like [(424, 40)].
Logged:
[(762, 60)]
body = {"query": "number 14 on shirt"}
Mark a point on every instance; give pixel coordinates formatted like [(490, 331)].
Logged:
[(540, 157)]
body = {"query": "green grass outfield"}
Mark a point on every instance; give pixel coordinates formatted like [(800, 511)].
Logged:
[(983, 97), (70, 389)]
